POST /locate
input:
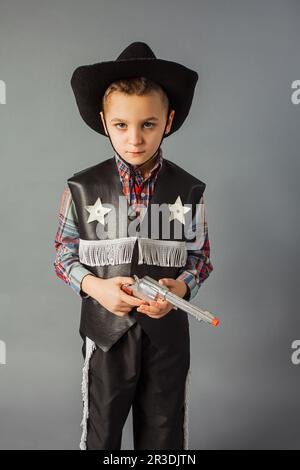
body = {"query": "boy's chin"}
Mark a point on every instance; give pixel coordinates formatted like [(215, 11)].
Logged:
[(135, 159)]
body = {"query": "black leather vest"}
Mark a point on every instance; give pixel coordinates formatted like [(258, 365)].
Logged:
[(127, 248)]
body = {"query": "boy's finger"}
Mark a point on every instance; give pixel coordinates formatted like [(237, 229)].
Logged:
[(162, 302), (167, 281), (131, 300), (151, 308), (125, 280)]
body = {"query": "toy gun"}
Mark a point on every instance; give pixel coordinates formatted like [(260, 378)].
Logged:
[(147, 289)]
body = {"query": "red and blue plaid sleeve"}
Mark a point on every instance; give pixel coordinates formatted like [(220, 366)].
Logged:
[(198, 266), (67, 265)]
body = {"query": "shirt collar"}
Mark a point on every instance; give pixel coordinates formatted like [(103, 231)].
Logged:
[(124, 168)]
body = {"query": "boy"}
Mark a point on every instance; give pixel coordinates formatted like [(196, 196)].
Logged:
[(136, 353)]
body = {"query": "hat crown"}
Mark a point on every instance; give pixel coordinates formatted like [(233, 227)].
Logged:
[(137, 50)]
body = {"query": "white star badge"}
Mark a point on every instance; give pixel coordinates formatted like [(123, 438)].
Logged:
[(178, 210), (97, 212)]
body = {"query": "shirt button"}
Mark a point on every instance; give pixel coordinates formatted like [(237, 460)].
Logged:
[(143, 194)]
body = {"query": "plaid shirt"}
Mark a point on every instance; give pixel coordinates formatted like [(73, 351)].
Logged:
[(71, 271)]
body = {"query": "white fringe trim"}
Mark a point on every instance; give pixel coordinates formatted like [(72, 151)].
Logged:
[(162, 252), (90, 347), (186, 411), (103, 252), (120, 251)]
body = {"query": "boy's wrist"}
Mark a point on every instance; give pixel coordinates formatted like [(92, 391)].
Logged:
[(188, 292), (185, 288), (87, 283)]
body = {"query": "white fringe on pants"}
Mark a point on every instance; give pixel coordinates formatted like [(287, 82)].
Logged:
[(90, 347), (186, 411)]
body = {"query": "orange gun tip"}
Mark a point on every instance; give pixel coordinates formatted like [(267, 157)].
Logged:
[(215, 322)]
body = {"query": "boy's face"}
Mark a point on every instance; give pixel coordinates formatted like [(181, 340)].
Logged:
[(136, 124)]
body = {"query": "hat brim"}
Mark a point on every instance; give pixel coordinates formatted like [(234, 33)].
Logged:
[(89, 83)]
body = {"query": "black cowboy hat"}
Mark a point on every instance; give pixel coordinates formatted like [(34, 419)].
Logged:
[(89, 83)]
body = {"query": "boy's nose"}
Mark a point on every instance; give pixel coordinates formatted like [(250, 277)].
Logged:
[(135, 139)]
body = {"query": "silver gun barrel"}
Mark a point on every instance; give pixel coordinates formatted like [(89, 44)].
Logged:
[(197, 312), (152, 289)]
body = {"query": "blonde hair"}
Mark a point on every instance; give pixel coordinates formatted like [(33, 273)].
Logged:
[(135, 86)]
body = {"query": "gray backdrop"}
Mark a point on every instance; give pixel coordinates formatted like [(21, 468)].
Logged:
[(242, 138)]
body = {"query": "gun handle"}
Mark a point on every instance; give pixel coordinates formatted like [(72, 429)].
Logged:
[(126, 288)]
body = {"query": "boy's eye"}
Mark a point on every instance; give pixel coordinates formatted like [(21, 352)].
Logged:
[(151, 123), (123, 124)]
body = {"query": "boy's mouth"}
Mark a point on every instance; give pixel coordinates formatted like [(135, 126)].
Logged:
[(136, 153)]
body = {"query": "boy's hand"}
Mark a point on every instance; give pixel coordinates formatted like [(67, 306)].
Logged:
[(108, 293), (160, 308)]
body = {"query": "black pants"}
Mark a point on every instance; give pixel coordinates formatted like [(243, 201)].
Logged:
[(136, 373)]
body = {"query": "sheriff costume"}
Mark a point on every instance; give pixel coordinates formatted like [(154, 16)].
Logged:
[(134, 360)]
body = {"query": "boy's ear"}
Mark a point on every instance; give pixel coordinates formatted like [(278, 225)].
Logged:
[(170, 120), (102, 119)]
